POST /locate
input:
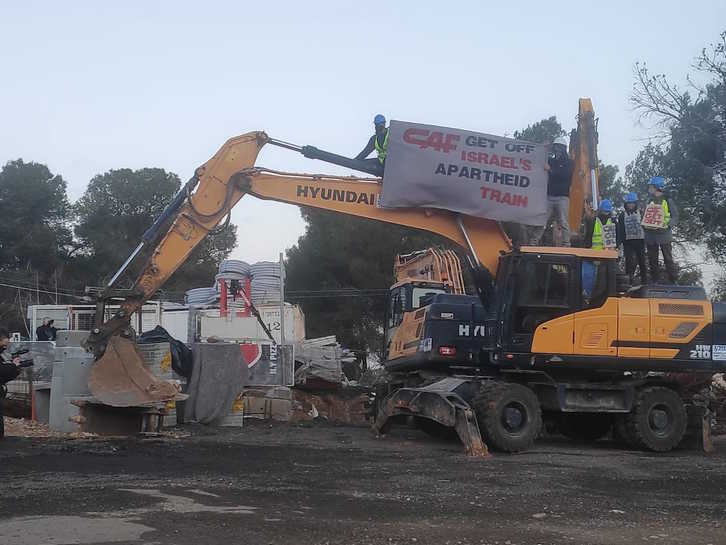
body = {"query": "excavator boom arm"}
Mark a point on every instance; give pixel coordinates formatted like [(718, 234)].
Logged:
[(220, 183)]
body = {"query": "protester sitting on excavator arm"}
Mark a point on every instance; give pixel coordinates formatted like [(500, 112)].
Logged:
[(659, 216), (377, 142), (559, 176)]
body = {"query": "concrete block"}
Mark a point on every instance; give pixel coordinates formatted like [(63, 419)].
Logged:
[(41, 399), (71, 338), (75, 375)]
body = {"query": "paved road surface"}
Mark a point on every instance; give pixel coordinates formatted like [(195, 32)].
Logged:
[(322, 484)]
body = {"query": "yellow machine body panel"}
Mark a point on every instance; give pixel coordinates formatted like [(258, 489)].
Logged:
[(555, 336), (626, 328), (596, 330), (406, 339), (676, 321), (634, 328)]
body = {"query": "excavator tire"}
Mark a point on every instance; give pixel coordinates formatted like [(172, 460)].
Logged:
[(658, 419), (585, 426), (509, 416)]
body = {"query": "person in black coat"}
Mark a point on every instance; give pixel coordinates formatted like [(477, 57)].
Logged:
[(631, 235), (46, 332), (9, 370)]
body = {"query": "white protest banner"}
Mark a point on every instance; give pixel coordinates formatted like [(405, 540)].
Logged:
[(609, 235), (467, 172)]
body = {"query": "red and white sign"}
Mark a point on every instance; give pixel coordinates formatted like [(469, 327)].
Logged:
[(654, 216)]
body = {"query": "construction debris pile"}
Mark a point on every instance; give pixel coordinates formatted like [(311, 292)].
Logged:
[(319, 363)]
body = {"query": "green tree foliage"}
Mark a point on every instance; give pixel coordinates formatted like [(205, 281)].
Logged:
[(718, 290), (34, 231), (541, 132), (115, 211), (691, 150), (342, 252), (35, 236), (611, 185)]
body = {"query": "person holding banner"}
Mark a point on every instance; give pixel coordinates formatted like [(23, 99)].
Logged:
[(377, 142), (559, 176), (630, 234), (659, 216)]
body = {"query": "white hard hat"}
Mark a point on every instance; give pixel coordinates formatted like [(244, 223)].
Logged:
[(562, 141)]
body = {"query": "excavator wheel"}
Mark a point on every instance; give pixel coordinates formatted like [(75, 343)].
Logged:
[(658, 419), (585, 426), (509, 416)]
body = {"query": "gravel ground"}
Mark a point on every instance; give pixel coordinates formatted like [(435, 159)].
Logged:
[(319, 484)]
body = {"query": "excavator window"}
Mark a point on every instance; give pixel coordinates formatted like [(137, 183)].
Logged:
[(397, 307), (595, 288), (544, 293), (420, 294)]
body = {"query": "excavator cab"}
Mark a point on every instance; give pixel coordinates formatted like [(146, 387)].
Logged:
[(540, 294), (402, 317)]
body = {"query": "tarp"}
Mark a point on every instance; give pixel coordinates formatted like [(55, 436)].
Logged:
[(468, 172)]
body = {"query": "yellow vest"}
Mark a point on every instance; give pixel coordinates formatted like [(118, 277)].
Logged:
[(597, 234), (382, 150)]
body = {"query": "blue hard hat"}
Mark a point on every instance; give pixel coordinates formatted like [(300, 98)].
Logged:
[(379, 120), (631, 197), (657, 181), (606, 206)]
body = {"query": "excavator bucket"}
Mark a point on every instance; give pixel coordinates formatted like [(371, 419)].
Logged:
[(119, 378)]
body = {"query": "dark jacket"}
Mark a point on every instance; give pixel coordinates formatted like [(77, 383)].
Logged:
[(559, 176), (8, 372), (370, 146), (46, 333), (620, 232)]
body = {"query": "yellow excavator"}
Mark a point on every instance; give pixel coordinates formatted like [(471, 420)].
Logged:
[(537, 341)]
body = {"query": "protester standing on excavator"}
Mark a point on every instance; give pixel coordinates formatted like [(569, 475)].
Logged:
[(559, 176), (630, 234), (660, 215), (377, 142), (600, 231)]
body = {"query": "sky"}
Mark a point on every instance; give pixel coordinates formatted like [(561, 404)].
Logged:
[(94, 86)]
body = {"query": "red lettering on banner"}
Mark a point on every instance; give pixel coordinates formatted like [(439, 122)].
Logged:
[(505, 198), (426, 139), (501, 161)]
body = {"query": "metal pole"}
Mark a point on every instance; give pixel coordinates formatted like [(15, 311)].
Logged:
[(593, 182), (282, 301), (468, 241)]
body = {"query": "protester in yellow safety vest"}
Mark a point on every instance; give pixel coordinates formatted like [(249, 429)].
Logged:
[(377, 142), (659, 216), (602, 232)]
